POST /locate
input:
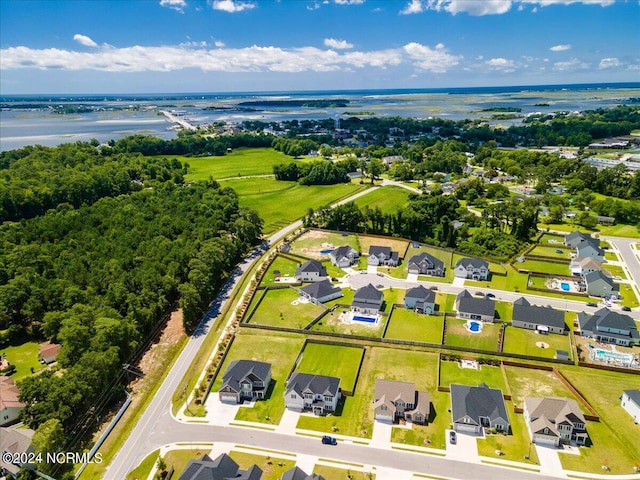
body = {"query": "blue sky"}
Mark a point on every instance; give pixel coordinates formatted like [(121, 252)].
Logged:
[(157, 46)]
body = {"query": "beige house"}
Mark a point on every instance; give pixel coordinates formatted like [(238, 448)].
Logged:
[(395, 401), (555, 421), (48, 352)]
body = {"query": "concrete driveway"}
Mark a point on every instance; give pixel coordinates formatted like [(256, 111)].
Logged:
[(219, 413), (465, 448), (288, 422), (381, 435), (549, 461)]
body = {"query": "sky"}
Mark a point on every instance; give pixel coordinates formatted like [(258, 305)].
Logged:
[(188, 46)]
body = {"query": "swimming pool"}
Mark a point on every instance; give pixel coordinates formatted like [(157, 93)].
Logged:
[(360, 318), (326, 252), (608, 356), (565, 286), (473, 326)]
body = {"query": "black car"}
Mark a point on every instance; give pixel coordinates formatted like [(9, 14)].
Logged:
[(452, 437), (327, 440), (490, 295), (626, 309), (592, 304)]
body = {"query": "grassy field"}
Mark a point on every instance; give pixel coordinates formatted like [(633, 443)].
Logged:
[(143, 470), (335, 473), (332, 360), (523, 342), (276, 308), (24, 357), (389, 199), (285, 266), (551, 251), (450, 372), (407, 325), (611, 230), (396, 244), (278, 350), (458, 336), (527, 382), (611, 256), (279, 203), (179, 458), (629, 298), (615, 271), (545, 267), (272, 467), (313, 242), (241, 162), (332, 323)]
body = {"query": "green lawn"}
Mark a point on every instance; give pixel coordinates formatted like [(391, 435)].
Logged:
[(620, 230), (545, 267), (179, 458), (527, 382), (272, 467), (24, 357), (629, 298), (611, 256), (450, 372), (335, 473), (615, 271), (285, 266), (551, 239), (458, 336), (445, 301), (431, 435), (332, 360), (278, 350), (241, 162), (311, 243), (389, 199), (523, 342), (276, 308), (407, 325), (551, 251), (142, 471), (504, 311)]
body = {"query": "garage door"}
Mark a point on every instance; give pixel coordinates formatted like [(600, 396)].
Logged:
[(460, 427), (228, 398), (384, 418), (548, 441)]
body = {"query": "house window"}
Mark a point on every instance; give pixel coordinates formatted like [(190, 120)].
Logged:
[(399, 404), (308, 396), (383, 408), (293, 395), (499, 427), (328, 399)]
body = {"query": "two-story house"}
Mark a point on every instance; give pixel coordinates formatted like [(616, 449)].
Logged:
[(600, 285), (588, 249), (311, 271), (607, 326), (245, 380), (574, 238), (555, 421), (382, 256), (581, 266), (630, 401), (344, 256), (420, 299), (317, 393), (367, 300), (394, 401), (321, 292), (472, 268), (426, 264)]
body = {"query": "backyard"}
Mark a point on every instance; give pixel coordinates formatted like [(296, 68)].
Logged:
[(314, 242), (332, 360), (332, 323), (24, 357), (285, 266), (396, 244), (283, 307), (524, 342), (551, 251), (451, 372), (529, 382), (458, 336), (408, 325)]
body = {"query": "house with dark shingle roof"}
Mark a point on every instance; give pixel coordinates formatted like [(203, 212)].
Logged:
[(426, 264), (296, 473), (344, 256), (367, 300), (475, 408), (321, 292), (631, 403), (245, 380), (574, 238), (591, 250), (394, 401), (311, 271), (420, 299), (472, 268), (317, 393), (555, 421), (540, 319), (600, 285), (382, 256), (222, 468), (607, 326), (474, 308)]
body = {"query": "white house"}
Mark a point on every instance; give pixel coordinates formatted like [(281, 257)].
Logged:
[(311, 271), (382, 256), (10, 406), (631, 403), (472, 268), (317, 393)]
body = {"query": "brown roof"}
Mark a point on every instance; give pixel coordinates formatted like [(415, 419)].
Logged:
[(556, 409), (48, 349), (9, 394)]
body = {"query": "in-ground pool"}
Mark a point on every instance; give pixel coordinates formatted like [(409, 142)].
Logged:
[(327, 251), (473, 326), (606, 356), (565, 286), (360, 318)]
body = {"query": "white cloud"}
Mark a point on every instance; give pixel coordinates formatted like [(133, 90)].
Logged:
[(219, 43), (313, 6), (194, 44), (436, 60), (609, 63), (560, 48), (349, 2), (491, 7), (177, 5), (501, 64), (337, 44), (414, 6), (570, 65), (84, 40), (232, 6), (546, 3)]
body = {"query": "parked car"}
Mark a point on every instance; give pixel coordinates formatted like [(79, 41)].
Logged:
[(490, 295), (452, 437), (626, 309), (433, 288), (592, 304), (327, 440), (480, 294)]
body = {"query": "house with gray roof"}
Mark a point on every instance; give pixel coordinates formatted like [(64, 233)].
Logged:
[(607, 326), (540, 319), (581, 266), (344, 256), (321, 292), (317, 393), (474, 308), (574, 238), (382, 256), (472, 268), (630, 401), (555, 421), (367, 300), (296, 473), (311, 271), (420, 299), (15, 441), (426, 264), (222, 468), (394, 401), (475, 408), (600, 285), (245, 380), (589, 249)]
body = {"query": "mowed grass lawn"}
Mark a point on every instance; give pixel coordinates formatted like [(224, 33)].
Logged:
[(523, 342), (281, 307), (551, 251), (450, 372), (272, 467), (529, 382), (545, 267), (180, 457), (331, 473), (240, 162), (24, 357), (332, 360), (408, 325), (457, 335), (389, 199), (311, 243), (278, 350), (279, 203), (629, 298), (621, 450), (284, 265)]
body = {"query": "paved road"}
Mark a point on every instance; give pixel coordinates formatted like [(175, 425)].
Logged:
[(630, 259)]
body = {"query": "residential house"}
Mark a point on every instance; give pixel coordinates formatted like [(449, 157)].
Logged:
[(475, 408), (426, 264), (607, 326), (474, 308), (311, 271), (321, 292), (14, 441), (557, 190), (391, 159), (540, 319), (245, 380), (600, 285), (581, 266), (420, 299), (472, 268), (554, 421), (317, 393), (367, 300), (395, 401), (10, 405), (574, 238), (296, 473), (222, 468), (344, 256), (590, 249), (603, 220), (382, 256), (48, 352), (631, 403)]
